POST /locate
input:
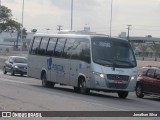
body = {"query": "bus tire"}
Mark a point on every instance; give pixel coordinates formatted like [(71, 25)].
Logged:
[(44, 80), (46, 83), (82, 86), (123, 94), (76, 89)]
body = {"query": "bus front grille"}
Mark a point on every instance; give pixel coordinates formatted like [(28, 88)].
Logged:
[(117, 86), (117, 77)]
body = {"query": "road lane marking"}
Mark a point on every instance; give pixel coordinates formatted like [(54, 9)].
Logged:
[(6, 80), (105, 106)]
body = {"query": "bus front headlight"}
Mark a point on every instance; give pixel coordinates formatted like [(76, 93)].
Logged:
[(15, 66), (99, 74)]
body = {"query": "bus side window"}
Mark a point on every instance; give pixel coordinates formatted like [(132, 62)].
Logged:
[(81, 50), (59, 47), (51, 46), (42, 49), (35, 46), (68, 48), (86, 52), (76, 50)]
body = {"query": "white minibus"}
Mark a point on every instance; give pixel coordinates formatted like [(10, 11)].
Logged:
[(86, 62)]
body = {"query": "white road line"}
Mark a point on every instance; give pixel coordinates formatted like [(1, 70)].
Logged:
[(6, 80), (105, 106)]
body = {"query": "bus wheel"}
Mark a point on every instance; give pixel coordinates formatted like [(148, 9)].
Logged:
[(45, 83), (139, 91), (44, 80), (122, 94), (82, 86), (76, 89)]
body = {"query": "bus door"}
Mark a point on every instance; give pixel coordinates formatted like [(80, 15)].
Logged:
[(59, 62), (33, 59), (51, 74), (79, 60), (64, 74)]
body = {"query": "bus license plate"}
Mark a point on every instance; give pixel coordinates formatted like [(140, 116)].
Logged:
[(118, 81)]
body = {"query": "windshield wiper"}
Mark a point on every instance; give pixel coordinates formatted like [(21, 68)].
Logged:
[(106, 62), (126, 62)]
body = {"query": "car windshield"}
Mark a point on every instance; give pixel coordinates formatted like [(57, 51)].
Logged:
[(20, 60), (112, 52)]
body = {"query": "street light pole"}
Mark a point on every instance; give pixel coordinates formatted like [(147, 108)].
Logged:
[(71, 14), (128, 28), (22, 20), (111, 19)]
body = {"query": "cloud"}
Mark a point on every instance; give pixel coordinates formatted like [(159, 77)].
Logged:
[(78, 4), (8, 1), (95, 13)]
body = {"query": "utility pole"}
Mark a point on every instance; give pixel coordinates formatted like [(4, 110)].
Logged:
[(71, 14), (128, 31), (22, 22), (111, 19), (0, 2), (59, 27)]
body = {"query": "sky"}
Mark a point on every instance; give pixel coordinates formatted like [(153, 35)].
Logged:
[(142, 15)]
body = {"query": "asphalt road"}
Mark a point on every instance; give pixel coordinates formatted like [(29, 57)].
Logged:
[(26, 94)]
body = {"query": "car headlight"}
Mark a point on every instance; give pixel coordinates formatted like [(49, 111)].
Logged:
[(15, 66), (99, 74)]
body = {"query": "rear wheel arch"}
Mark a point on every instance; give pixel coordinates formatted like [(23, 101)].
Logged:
[(45, 82), (80, 78), (42, 73)]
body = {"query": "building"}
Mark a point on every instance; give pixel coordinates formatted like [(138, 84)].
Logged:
[(138, 39), (142, 44)]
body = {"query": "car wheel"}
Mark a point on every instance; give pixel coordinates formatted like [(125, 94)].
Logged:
[(82, 86), (4, 70), (139, 91), (122, 94), (12, 72)]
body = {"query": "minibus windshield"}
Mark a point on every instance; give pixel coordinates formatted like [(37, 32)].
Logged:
[(112, 52)]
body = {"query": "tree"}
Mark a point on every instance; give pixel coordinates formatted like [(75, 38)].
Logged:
[(21, 34), (7, 24), (143, 48), (156, 48)]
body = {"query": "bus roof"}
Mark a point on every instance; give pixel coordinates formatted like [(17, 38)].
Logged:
[(77, 35)]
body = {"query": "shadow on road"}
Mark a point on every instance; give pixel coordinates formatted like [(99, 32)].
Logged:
[(70, 90)]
